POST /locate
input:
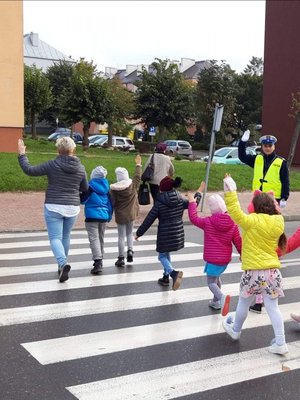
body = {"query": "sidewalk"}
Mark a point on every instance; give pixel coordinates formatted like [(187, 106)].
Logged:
[(23, 211)]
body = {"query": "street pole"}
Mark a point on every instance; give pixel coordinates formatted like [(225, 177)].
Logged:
[(218, 114)]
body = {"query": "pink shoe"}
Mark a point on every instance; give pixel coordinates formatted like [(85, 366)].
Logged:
[(296, 318)]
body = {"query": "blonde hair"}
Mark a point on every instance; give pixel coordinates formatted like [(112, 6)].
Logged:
[(65, 145)]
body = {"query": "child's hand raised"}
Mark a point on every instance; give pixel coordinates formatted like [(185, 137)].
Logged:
[(138, 159), (229, 184), (201, 187)]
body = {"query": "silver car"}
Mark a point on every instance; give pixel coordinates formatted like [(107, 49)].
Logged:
[(180, 147), (117, 141)]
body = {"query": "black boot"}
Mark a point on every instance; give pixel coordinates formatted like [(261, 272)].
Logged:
[(64, 273), (129, 256), (120, 262), (97, 267), (164, 281)]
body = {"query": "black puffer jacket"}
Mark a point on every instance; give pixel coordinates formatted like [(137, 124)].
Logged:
[(168, 208)]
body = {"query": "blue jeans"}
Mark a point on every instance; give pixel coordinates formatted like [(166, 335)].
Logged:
[(59, 230), (165, 260)]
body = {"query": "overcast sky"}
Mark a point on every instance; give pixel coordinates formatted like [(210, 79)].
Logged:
[(116, 33)]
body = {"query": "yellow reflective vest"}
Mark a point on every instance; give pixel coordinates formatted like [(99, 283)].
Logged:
[(271, 181)]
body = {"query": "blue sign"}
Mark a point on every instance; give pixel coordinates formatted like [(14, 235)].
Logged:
[(152, 131)]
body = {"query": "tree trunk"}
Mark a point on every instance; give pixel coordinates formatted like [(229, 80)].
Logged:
[(85, 141), (33, 126), (161, 133), (294, 141), (110, 134)]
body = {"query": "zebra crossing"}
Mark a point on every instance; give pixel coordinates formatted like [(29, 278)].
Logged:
[(121, 336)]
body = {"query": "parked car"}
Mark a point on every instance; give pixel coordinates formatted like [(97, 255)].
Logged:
[(236, 142), (117, 141), (94, 138), (229, 155), (67, 132), (180, 147)]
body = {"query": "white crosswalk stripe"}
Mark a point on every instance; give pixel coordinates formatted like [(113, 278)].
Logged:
[(30, 281)]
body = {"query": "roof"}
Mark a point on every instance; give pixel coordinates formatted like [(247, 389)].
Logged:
[(193, 71), (36, 49)]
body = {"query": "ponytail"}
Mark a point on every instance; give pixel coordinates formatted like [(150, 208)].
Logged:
[(282, 243)]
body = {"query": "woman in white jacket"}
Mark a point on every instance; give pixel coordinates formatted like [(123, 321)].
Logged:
[(162, 167)]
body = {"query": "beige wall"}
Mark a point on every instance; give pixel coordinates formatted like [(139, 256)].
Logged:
[(11, 74)]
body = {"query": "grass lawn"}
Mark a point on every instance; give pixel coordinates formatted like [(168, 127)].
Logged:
[(192, 172)]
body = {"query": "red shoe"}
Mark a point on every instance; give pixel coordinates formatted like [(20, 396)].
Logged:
[(225, 305)]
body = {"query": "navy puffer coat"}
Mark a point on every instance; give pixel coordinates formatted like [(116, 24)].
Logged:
[(168, 208)]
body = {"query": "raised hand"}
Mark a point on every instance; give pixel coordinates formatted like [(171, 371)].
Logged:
[(229, 184), (138, 159), (21, 147), (246, 136), (201, 187)]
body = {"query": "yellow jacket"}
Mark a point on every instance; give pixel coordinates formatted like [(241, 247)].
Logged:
[(260, 235)]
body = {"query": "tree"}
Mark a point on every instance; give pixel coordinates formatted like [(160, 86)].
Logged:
[(59, 75), (37, 95), (216, 84), (122, 106), (163, 98), (86, 99), (255, 67), (249, 95)]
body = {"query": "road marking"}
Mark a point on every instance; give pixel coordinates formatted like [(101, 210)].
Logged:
[(46, 312), (73, 252), (98, 343), (38, 234), (195, 377), (41, 243), (86, 265)]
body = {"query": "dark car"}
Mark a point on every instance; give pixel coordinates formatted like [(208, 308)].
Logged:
[(65, 132)]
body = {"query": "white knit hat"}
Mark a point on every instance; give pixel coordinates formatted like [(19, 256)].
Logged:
[(98, 172), (122, 174), (216, 204)]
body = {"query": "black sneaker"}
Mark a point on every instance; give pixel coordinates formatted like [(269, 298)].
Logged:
[(177, 278), (256, 308), (97, 267), (129, 256), (120, 262), (64, 273), (164, 281)]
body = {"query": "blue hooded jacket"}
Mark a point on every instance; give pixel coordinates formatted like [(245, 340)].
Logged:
[(97, 201)]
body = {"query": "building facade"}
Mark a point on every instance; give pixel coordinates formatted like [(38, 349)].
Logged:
[(11, 75), (281, 72)]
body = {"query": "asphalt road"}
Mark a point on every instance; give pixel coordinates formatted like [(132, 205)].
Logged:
[(122, 336)]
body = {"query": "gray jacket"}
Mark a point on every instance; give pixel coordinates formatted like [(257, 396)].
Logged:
[(66, 178)]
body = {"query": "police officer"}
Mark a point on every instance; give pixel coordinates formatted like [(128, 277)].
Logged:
[(270, 170), (270, 174)]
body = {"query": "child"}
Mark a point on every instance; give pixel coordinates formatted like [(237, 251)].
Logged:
[(168, 208), (126, 207), (220, 232), (98, 211), (257, 306), (293, 243), (263, 232)]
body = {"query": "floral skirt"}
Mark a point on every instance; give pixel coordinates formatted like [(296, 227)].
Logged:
[(267, 282)]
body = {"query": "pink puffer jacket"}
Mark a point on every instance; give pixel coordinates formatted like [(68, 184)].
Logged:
[(220, 232)]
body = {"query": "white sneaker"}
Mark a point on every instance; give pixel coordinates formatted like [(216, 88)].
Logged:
[(225, 305), (216, 305), (276, 349), (228, 327)]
